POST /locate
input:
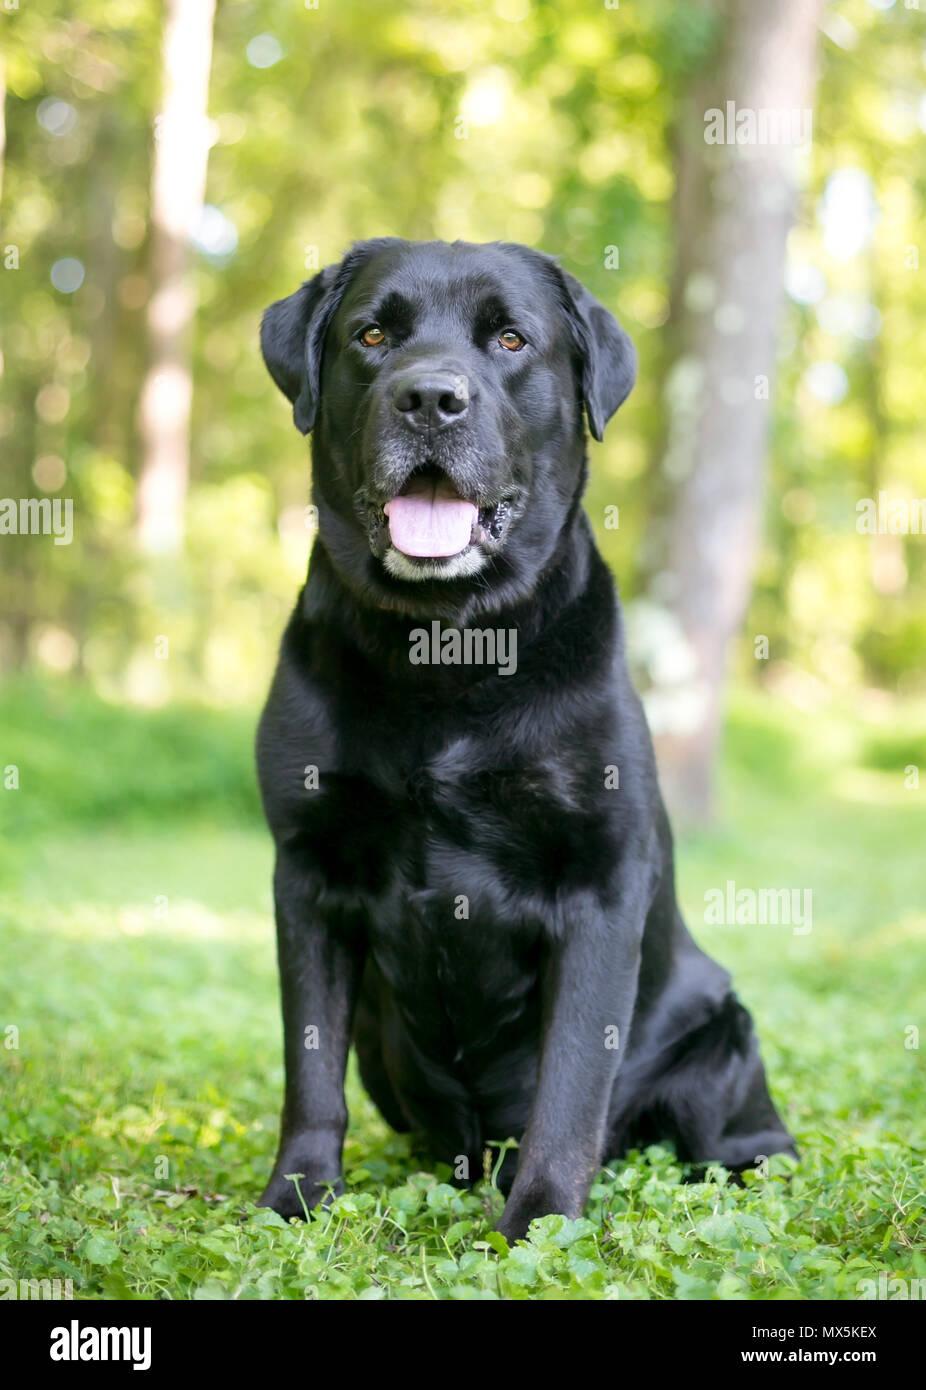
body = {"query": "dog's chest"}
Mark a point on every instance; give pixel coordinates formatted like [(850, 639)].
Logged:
[(462, 862)]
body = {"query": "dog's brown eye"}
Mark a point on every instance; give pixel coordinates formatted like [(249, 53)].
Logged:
[(373, 336), (511, 340)]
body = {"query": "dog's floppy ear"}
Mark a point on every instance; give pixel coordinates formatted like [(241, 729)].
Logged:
[(291, 337), (292, 331), (609, 359)]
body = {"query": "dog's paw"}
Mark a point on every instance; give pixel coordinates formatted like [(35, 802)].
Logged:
[(282, 1195), (513, 1226), (540, 1198)]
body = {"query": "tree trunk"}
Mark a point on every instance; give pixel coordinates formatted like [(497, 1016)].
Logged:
[(734, 210), (2, 118), (177, 189)]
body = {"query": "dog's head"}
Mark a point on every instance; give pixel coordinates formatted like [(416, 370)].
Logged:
[(445, 385)]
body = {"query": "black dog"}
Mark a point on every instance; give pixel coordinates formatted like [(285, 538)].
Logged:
[(474, 874)]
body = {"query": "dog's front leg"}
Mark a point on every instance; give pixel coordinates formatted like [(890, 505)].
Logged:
[(320, 970), (589, 988)]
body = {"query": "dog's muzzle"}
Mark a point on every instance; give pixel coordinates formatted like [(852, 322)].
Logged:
[(429, 528)]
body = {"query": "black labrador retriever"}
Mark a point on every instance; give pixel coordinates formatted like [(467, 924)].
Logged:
[(474, 872)]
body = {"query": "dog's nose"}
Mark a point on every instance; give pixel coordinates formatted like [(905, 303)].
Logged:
[(431, 400)]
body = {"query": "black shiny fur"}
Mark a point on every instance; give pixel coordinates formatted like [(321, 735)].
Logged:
[(462, 894)]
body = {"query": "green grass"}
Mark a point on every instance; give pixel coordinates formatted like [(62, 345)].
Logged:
[(138, 1110)]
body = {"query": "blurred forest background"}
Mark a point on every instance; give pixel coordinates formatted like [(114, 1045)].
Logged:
[(168, 170)]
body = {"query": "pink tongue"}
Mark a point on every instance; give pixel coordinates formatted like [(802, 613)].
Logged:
[(430, 520)]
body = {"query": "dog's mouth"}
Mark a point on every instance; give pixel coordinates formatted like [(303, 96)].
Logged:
[(431, 520)]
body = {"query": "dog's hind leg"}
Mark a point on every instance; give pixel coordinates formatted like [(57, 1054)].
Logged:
[(741, 1125), (706, 1093), (370, 1042), (755, 1131)]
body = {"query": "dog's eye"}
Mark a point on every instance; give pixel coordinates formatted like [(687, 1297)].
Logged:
[(373, 336), (511, 340)]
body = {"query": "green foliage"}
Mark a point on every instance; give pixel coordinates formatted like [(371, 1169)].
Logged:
[(82, 762), (570, 120), (138, 1112)]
